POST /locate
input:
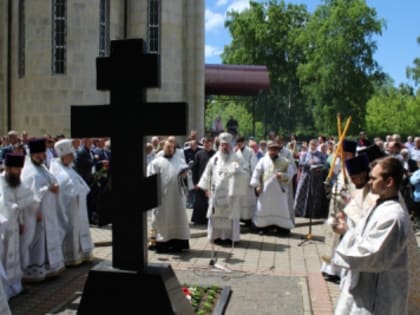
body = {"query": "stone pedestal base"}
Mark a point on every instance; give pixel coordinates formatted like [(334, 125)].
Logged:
[(112, 291)]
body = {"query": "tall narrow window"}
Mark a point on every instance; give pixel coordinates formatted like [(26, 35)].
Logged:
[(21, 41), (59, 36), (153, 33), (103, 27)]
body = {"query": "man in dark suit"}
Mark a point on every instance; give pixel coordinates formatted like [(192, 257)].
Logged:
[(363, 141), (102, 184), (232, 126), (189, 153), (100, 151), (199, 215), (410, 166), (84, 164)]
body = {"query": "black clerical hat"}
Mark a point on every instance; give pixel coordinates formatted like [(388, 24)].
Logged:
[(14, 160), (357, 164), (373, 152), (37, 145), (349, 146)]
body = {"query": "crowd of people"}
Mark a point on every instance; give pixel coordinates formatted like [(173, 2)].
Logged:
[(225, 183), (367, 192), (46, 191)]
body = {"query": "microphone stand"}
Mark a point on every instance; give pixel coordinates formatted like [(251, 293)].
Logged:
[(213, 259), (309, 237)]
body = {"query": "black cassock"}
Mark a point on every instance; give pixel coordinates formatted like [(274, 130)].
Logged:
[(201, 203), (103, 197), (311, 199)]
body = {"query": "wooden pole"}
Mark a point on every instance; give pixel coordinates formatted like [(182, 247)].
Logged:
[(339, 150)]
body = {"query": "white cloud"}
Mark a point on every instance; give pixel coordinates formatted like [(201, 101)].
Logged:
[(220, 3), (238, 6), (212, 51), (213, 20)]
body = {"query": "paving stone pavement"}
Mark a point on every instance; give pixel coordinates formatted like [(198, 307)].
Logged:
[(278, 294), (268, 274)]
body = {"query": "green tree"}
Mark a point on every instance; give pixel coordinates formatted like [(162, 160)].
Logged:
[(414, 72), (339, 72), (225, 108), (393, 110), (266, 34)]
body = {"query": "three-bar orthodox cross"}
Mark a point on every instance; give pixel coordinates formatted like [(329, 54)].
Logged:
[(126, 73)]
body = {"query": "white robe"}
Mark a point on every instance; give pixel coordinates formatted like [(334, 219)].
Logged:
[(413, 267), (77, 244), (45, 251), (15, 204), (4, 305), (273, 207), (342, 192), (374, 254), (179, 154), (170, 217), (286, 153), (248, 202), (222, 178), (360, 204)]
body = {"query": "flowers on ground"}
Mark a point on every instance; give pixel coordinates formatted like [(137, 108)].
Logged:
[(187, 293), (202, 298)]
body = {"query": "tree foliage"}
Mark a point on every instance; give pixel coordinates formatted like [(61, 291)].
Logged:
[(339, 72), (225, 108), (266, 34), (414, 72), (393, 110), (320, 64)]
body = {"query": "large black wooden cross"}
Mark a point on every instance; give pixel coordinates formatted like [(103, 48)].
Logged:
[(126, 74)]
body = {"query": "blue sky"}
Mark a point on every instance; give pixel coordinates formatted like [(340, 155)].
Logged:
[(397, 47)]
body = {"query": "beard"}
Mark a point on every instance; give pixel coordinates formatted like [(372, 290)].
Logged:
[(168, 155), (224, 155), (12, 179), (360, 185), (37, 163)]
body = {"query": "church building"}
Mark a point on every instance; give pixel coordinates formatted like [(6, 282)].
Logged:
[(48, 50)]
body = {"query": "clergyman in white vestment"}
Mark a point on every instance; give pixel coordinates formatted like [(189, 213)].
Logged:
[(374, 252), (16, 202), (248, 202), (77, 244), (224, 185), (271, 179), (45, 254), (169, 219), (4, 304)]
